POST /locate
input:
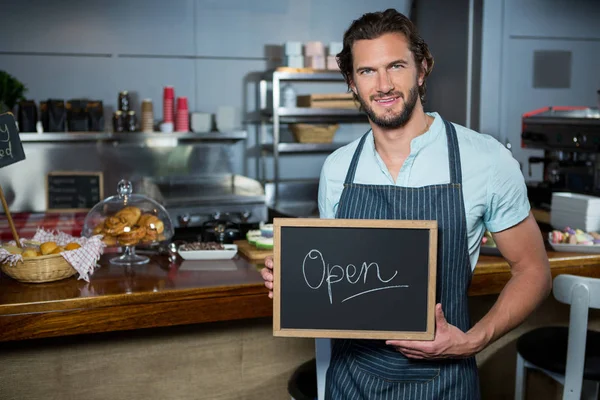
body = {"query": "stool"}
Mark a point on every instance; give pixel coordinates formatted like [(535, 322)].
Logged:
[(570, 355), (303, 382)]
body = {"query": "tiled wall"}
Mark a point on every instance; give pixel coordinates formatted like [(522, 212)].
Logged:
[(209, 50)]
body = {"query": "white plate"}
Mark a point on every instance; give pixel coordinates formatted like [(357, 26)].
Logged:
[(228, 253), (576, 248)]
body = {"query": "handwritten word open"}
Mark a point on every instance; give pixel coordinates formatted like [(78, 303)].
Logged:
[(333, 274), (5, 138)]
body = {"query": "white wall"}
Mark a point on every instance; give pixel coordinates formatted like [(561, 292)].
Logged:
[(512, 31), (207, 49)]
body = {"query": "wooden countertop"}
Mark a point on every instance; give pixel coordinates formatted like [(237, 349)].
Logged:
[(119, 298), (492, 272), (162, 294)]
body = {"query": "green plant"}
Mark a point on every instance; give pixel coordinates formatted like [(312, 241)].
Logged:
[(11, 91)]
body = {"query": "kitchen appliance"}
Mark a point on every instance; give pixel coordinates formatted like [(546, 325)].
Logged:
[(570, 138), (221, 231), (219, 207)]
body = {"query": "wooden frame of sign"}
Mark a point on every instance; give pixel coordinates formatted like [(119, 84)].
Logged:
[(331, 278), (76, 174)]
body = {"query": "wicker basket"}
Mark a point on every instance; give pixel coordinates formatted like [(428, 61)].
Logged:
[(311, 133), (40, 269)]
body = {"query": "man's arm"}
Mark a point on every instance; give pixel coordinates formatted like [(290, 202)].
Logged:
[(523, 247)]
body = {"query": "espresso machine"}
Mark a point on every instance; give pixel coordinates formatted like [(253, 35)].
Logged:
[(570, 138)]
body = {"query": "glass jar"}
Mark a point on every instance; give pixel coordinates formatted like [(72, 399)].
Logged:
[(288, 96), (129, 220)]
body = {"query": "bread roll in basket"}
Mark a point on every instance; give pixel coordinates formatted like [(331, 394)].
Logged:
[(51, 256)]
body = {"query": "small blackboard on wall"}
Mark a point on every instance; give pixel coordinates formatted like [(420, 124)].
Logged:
[(73, 191), (11, 148), (364, 279)]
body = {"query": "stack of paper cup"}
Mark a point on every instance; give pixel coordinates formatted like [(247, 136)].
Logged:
[(168, 106), (293, 55), (334, 49), (314, 55), (147, 123), (183, 115)]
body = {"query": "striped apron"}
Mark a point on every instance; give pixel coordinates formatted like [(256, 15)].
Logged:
[(369, 369)]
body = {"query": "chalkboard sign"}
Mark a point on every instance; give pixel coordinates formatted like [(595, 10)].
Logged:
[(369, 279), (11, 149), (74, 191)]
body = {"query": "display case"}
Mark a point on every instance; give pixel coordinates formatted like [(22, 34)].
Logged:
[(128, 220)]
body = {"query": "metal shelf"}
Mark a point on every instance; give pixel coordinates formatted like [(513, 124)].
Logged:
[(305, 114), (319, 112), (129, 137), (305, 75), (277, 116), (304, 147)]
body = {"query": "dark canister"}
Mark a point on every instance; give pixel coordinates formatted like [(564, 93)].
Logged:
[(27, 116), (95, 112), (118, 121), (131, 122), (124, 101)]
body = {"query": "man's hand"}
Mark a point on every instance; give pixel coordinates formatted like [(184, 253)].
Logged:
[(267, 275), (449, 342)]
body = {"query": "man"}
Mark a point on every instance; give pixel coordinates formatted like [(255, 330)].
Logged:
[(415, 165)]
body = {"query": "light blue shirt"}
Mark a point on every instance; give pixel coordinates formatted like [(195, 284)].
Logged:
[(494, 190)]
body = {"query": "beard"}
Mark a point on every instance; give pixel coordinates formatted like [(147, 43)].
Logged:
[(390, 120)]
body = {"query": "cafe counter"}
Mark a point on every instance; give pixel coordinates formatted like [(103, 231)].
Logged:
[(162, 293), (193, 330)]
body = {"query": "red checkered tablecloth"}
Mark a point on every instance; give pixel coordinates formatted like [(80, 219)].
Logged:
[(28, 223)]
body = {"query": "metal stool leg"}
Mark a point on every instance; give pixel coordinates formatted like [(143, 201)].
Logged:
[(520, 378)]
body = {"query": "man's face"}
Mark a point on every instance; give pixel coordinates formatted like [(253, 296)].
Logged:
[(386, 79)]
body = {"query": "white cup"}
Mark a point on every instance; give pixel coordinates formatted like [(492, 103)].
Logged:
[(166, 127)]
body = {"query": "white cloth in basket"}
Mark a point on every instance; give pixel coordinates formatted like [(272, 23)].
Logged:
[(84, 260)]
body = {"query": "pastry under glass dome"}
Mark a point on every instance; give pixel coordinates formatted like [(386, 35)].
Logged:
[(128, 220)]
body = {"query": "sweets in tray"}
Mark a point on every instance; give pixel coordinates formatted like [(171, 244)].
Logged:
[(574, 236), (207, 251), (574, 240), (261, 238), (567, 240)]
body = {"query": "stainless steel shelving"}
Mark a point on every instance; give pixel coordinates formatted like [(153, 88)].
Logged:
[(131, 137), (300, 114), (303, 147), (277, 116), (283, 74)]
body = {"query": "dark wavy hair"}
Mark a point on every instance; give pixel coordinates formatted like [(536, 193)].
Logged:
[(374, 25)]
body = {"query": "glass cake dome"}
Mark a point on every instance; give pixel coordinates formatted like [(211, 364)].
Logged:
[(128, 220)]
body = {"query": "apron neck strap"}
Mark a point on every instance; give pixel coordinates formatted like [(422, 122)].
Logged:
[(453, 153)]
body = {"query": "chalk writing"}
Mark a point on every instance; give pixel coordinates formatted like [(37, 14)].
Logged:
[(333, 274), (6, 151), (76, 191)]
